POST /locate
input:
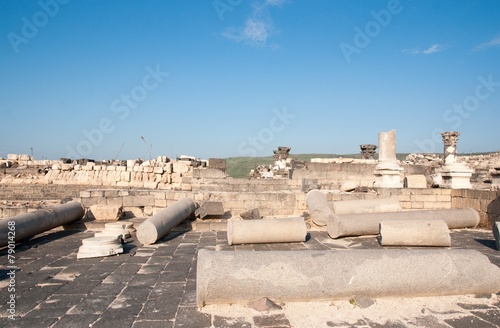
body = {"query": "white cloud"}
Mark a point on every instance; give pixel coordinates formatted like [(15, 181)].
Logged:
[(431, 50), (258, 27), (275, 3), (254, 32), (492, 43)]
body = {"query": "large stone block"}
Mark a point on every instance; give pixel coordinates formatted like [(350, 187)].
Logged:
[(106, 212), (210, 208), (135, 201)]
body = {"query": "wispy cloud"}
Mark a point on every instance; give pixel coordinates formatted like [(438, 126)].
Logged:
[(492, 43), (431, 50), (258, 28)]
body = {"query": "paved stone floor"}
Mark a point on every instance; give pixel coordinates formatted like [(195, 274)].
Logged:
[(154, 286)]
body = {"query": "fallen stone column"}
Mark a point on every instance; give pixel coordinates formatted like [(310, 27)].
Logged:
[(318, 206), (286, 230), (284, 276), (29, 224), (415, 233), (162, 222), (368, 224), (366, 206)]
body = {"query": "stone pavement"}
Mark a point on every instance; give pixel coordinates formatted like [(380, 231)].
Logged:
[(155, 286)]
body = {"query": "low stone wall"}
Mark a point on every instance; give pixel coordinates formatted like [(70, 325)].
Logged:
[(487, 202), (41, 192), (333, 175), (277, 203)]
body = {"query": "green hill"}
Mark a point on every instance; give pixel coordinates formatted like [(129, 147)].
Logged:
[(239, 167)]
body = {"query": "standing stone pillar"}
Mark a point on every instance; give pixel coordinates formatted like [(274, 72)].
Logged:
[(454, 175), (388, 173), (495, 177)]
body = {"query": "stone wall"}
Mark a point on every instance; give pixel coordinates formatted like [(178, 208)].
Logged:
[(41, 192), (485, 201), (276, 203), (333, 175)]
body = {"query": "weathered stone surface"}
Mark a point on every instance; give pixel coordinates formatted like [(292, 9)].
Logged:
[(30, 224), (366, 206), (415, 181), (99, 247), (210, 208), (368, 224), (252, 214), (106, 212), (286, 230), (162, 222), (318, 206), (349, 186), (217, 163), (415, 233), (283, 276), (121, 229)]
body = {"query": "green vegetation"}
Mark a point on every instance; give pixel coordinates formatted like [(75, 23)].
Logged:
[(239, 167)]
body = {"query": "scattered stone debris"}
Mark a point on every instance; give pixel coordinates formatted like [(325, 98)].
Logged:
[(281, 169), (264, 305), (252, 214), (210, 208)]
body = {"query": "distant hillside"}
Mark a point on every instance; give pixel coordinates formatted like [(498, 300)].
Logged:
[(239, 167)]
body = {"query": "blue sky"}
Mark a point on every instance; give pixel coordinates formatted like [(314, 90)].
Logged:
[(222, 78)]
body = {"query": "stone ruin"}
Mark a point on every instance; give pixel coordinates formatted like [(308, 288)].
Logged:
[(281, 169), (368, 151)]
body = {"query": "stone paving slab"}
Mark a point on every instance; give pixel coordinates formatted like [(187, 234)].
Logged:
[(155, 286)]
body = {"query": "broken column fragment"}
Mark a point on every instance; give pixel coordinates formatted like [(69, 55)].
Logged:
[(368, 224), (122, 229), (286, 230), (210, 208), (302, 276), (253, 214), (415, 233), (387, 172), (455, 175), (318, 206), (100, 247), (162, 222), (29, 224), (366, 206)]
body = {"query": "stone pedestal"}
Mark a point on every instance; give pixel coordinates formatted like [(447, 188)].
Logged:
[(388, 172), (454, 175), (99, 247)]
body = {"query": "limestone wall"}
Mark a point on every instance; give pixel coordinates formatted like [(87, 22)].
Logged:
[(332, 175), (485, 201)]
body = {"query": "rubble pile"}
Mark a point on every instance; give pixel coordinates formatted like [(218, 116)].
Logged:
[(279, 170), (424, 159)]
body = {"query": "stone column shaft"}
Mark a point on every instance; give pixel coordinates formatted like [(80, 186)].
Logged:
[(283, 276), (286, 230), (368, 224), (29, 224), (162, 222)]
